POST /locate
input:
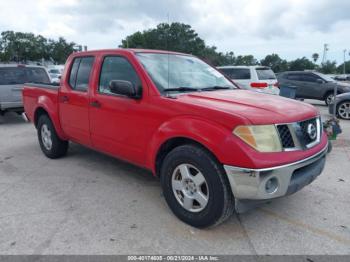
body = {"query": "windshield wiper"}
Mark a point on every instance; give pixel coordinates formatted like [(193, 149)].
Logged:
[(182, 89), (215, 88)]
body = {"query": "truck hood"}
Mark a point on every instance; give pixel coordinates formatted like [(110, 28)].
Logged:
[(258, 108)]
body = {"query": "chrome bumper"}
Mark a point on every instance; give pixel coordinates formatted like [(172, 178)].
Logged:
[(267, 183)]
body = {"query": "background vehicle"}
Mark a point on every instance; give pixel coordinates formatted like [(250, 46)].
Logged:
[(257, 78), (343, 106), (55, 75), (212, 145), (312, 85), (12, 78)]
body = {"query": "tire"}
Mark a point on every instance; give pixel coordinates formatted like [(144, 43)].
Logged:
[(343, 110), (196, 161), (51, 145), (329, 98)]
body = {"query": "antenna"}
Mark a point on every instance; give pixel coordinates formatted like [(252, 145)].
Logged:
[(167, 48), (344, 66)]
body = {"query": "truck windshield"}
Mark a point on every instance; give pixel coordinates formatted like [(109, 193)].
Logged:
[(181, 73)]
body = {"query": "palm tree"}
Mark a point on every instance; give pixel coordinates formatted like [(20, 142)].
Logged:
[(315, 57)]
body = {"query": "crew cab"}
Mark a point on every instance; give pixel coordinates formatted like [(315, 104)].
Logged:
[(215, 148)]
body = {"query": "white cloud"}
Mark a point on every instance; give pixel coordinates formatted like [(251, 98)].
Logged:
[(291, 28)]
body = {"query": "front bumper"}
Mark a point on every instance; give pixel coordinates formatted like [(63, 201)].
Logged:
[(268, 183)]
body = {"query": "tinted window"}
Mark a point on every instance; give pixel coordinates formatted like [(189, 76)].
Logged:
[(73, 72), (21, 75), (12, 76), (37, 75), (116, 68), (265, 73), (294, 77), (310, 78), (236, 73), (83, 74)]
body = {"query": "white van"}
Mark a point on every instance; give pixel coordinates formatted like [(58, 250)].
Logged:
[(257, 78)]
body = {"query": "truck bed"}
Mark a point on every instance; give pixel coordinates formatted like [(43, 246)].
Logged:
[(35, 95)]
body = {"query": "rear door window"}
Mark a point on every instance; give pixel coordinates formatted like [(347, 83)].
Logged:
[(12, 76), (265, 74), (294, 77), (236, 73), (80, 73)]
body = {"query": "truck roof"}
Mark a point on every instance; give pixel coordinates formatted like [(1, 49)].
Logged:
[(129, 50)]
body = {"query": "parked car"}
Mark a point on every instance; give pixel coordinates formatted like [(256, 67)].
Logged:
[(213, 146), (257, 78), (55, 75), (342, 106), (340, 77), (12, 78), (312, 85)]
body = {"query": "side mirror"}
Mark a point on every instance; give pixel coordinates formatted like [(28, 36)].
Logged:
[(124, 88), (320, 81)]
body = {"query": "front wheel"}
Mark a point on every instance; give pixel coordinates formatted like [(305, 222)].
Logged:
[(50, 143), (343, 110), (195, 187)]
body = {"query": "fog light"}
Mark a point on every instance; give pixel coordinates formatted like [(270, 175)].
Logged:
[(271, 185)]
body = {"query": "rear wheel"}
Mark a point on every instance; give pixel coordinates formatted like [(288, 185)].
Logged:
[(195, 187), (343, 110), (51, 145)]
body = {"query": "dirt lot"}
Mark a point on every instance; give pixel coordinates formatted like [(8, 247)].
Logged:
[(89, 203)]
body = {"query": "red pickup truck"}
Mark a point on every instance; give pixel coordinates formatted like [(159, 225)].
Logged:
[(215, 148)]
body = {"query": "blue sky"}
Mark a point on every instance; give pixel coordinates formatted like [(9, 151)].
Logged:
[(290, 28)]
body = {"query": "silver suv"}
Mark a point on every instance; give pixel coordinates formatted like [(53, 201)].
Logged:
[(12, 78)]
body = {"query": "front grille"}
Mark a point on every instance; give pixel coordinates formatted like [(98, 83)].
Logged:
[(304, 130), (285, 136), (300, 135)]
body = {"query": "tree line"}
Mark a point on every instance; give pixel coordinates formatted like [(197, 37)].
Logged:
[(180, 37), (23, 47)]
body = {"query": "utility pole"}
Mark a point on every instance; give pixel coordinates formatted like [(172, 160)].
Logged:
[(344, 71), (325, 49)]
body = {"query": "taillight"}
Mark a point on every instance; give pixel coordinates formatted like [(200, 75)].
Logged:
[(276, 85), (258, 85)]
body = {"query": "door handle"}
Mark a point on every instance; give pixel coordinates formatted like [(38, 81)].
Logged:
[(95, 104), (64, 99)]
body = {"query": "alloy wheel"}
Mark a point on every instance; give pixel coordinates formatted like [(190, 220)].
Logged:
[(190, 188)]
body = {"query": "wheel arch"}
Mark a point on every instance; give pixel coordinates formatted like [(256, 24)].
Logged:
[(43, 110), (172, 143)]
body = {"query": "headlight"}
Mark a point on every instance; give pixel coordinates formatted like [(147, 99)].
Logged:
[(263, 138)]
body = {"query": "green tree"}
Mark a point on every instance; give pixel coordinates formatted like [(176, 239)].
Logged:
[(247, 60), (340, 68), (301, 64), (21, 47), (177, 37), (60, 50), (276, 63), (329, 67), (315, 57)]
